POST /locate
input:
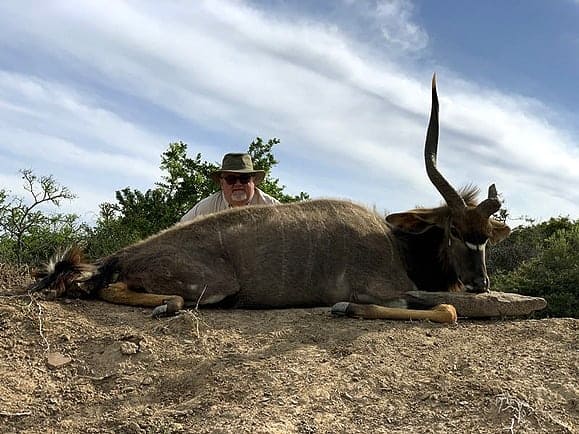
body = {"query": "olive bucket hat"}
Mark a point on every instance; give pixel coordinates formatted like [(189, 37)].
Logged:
[(238, 163)]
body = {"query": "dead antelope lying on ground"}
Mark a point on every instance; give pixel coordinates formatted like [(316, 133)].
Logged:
[(314, 253)]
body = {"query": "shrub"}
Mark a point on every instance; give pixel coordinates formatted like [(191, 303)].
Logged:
[(524, 243), (553, 273)]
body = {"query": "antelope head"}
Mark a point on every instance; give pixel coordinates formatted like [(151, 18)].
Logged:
[(465, 227)]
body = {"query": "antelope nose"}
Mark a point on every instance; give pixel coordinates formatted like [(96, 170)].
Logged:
[(481, 284)]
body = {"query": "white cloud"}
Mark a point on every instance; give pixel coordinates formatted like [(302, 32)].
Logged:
[(51, 108), (398, 27)]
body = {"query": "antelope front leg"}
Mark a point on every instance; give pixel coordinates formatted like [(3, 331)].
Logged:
[(443, 313), (119, 293)]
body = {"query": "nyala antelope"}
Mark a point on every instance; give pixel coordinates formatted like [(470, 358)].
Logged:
[(313, 253)]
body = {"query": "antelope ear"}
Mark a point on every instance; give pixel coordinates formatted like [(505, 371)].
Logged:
[(413, 222), (499, 231)]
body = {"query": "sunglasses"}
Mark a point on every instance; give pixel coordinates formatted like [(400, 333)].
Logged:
[(232, 179)]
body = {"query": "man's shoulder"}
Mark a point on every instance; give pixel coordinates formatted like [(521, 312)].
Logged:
[(212, 198), (208, 205), (264, 198)]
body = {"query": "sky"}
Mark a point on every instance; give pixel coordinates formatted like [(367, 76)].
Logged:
[(93, 92)]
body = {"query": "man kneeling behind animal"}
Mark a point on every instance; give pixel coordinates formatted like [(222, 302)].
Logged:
[(315, 253), (237, 181)]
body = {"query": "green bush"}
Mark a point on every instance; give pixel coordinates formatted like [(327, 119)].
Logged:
[(29, 235), (524, 243), (108, 237), (553, 273)]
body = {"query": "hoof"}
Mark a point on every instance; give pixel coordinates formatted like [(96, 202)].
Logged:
[(160, 311), (341, 308), (172, 306)]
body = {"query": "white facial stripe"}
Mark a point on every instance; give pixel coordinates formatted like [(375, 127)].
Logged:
[(479, 247)]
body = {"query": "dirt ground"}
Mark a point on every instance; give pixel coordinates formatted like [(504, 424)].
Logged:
[(90, 367)]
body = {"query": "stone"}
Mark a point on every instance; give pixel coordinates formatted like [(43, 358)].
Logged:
[(485, 305), (57, 360), (128, 348)]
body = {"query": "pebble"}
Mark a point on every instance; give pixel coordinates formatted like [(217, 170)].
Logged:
[(57, 360), (128, 348)]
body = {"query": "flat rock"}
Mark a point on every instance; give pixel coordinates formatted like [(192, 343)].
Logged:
[(486, 305), (57, 360)]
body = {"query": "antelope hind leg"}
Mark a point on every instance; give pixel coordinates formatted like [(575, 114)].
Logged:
[(119, 293), (443, 313)]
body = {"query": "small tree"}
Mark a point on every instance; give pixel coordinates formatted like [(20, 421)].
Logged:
[(553, 273), (263, 159), (187, 180), (25, 229)]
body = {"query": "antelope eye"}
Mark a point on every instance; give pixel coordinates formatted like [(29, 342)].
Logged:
[(455, 233)]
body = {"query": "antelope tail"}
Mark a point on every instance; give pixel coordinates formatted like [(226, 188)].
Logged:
[(64, 272)]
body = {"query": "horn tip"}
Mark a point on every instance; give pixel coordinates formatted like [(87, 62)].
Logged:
[(434, 80)]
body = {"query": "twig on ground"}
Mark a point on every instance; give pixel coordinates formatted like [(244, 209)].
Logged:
[(519, 409), (34, 301), (95, 378), (9, 295), (18, 413), (200, 296), (196, 312)]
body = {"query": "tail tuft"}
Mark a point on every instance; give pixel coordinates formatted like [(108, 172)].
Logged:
[(64, 274)]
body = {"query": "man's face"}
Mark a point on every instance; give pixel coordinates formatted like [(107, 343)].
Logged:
[(238, 188)]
